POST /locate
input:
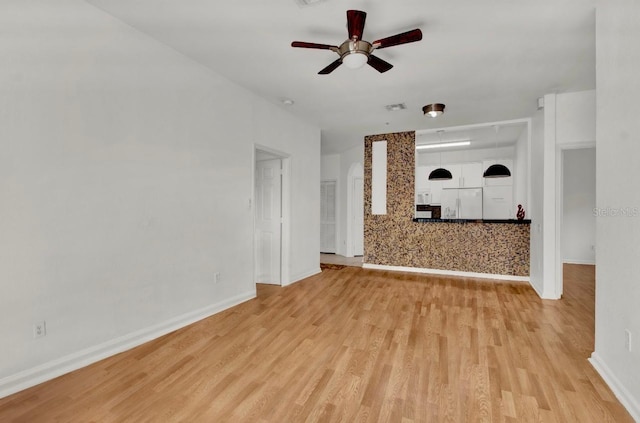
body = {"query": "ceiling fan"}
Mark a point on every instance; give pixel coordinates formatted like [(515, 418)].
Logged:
[(355, 51)]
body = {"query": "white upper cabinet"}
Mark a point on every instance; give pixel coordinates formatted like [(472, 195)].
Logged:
[(465, 175), (471, 175)]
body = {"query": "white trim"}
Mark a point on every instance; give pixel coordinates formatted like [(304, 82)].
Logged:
[(619, 390), (285, 248), (550, 238), (447, 272), (58, 367), (300, 276)]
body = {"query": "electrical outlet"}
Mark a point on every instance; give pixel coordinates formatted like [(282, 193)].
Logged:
[(627, 339), (216, 277), (39, 329)]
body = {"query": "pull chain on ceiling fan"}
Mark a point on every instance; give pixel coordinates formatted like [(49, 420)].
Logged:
[(355, 51)]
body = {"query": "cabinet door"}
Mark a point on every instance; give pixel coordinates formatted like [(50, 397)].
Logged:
[(488, 182), (456, 173), (471, 175)]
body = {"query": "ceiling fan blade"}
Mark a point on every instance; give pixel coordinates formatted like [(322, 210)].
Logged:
[(379, 64), (333, 66), (355, 23), (313, 45), (394, 40)]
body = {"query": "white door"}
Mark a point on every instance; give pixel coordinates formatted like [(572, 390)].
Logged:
[(268, 220), (328, 217), (358, 217)]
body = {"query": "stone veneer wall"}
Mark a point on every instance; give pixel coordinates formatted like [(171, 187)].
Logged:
[(395, 240)]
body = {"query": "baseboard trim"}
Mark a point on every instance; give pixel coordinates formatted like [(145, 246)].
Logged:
[(446, 272), (623, 395), (304, 275), (577, 261), (52, 369)]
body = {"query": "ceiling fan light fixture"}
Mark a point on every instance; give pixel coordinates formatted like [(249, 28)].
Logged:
[(355, 59), (356, 52), (433, 110), (440, 174)]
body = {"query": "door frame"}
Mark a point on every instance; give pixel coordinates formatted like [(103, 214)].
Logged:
[(285, 227), (559, 199)]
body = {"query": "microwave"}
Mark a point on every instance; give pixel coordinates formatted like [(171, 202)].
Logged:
[(423, 197)]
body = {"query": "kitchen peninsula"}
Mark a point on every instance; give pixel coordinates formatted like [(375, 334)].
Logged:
[(398, 240)]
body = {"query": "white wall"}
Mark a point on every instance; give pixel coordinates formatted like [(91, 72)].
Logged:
[(568, 123), (125, 179), (535, 211), (617, 176), (576, 117), (330, 167), (578, 202)]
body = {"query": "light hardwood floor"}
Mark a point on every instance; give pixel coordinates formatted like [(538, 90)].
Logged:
[(354, 345)]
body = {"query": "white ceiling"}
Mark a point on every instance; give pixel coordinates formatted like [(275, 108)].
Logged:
[(486, 60), (501, 134)]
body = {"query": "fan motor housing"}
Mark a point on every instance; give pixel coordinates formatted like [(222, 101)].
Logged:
[(359, 46)]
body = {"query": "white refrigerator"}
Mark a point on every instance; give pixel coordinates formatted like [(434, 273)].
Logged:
[(461, 203), (498, 202)]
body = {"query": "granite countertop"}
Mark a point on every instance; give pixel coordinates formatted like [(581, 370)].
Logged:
[(512, 221)]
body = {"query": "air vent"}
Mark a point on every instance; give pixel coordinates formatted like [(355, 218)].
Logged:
[(395, 107), (305, 3)]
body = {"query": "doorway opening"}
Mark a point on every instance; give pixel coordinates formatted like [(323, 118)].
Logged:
[(271, 211), (576, 200), (355, 204), (328, 224)]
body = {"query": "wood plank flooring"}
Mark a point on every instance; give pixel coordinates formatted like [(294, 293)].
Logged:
[(354, 345)]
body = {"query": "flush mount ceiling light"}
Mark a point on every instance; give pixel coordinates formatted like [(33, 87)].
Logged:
[(433, 110), (497, 170), (440, 174), (287, 101)]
